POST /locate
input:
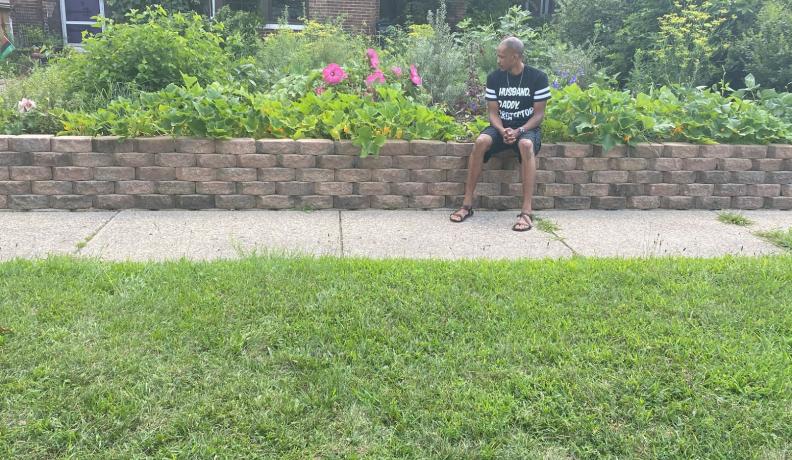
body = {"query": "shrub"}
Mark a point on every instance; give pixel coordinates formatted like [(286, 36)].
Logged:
[(766, 50), (441, 60), (288, 52), (239, 31), (119, 9), (153, 50), (683, 50)]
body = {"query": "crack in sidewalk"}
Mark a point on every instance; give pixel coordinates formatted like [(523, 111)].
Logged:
[(82, 244)]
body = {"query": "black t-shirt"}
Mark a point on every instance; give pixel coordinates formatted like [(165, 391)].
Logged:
[(516, 94)]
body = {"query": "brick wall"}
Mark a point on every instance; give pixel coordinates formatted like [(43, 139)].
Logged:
[(40, 172), (34, 13), (359, 14)]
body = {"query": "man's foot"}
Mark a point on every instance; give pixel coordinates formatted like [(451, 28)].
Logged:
[(524, 222), (463, 213)]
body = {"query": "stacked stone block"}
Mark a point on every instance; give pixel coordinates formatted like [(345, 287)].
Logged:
[(46, 172)]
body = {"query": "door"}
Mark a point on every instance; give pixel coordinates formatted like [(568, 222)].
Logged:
[(76, 18)]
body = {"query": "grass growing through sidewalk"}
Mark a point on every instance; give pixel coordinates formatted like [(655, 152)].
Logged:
[(728, 217), (547, 226), (328, 358), (780, 238)]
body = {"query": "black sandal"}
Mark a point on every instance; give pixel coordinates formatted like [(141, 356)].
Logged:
[(529, 224), (467, 208)]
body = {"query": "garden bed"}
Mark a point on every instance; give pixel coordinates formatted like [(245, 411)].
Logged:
[(72, 172)]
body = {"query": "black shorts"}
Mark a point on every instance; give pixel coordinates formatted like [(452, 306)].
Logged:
[(498, 146)]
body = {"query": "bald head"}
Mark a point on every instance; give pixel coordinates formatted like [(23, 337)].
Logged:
[(514, 45), (510, 55)]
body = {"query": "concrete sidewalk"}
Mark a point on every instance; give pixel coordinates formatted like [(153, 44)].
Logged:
[(165, 235)]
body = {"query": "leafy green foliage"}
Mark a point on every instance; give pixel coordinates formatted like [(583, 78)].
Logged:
[(240, 31), (441, 61), (612, 117), (778, 237), (622, 28), (286, 52), (148, 53), (119, 9), (734, 218), (38, 120), (223, 111), (683, 50), (766, 49), (563, 62)]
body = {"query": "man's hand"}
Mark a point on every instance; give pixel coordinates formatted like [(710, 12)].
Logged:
[(510, 136)]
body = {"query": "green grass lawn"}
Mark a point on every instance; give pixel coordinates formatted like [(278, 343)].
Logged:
[(327, 358)]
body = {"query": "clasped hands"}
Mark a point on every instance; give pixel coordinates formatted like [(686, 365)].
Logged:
[(510, 135)]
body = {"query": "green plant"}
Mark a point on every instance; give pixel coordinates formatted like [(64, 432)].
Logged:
[(734, 218), (240, 31), (547, 226), (148, 53), (780, 238), (441, 61), (34, 119), (223, 111), (612, 117), (288, 52), (683, 49), (766, 49), (120, 9), (777, 103), (564, 63)]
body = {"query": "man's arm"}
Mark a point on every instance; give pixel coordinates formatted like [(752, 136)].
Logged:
[(493, 111), (537, 117)]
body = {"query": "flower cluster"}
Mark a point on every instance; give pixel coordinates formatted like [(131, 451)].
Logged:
[(333, 74), (566, 78), (26, 105)]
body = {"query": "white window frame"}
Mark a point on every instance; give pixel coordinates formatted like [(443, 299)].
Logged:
[(268, 26), (65, 23), (285, 26)]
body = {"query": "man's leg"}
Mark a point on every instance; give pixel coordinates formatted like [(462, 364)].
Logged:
[(528, 170), (475, 165)]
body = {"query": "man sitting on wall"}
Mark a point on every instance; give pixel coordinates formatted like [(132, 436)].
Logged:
[(516, 96)]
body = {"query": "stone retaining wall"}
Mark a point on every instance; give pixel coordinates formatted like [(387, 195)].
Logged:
[(42, 172)]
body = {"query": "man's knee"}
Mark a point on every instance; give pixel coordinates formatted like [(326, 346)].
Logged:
[(483, 142), (526, 147)]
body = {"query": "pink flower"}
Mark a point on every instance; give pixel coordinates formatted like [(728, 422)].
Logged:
[(414, 77), (333, 74), (376, 77), (320, 90), (373, 58), (397, 71), (26, 105)]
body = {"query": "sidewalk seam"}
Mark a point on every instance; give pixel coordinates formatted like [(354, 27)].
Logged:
[(341, 232), (94, 234), (563, 241)]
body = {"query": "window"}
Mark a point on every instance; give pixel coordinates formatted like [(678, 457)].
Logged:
[(76, 17), (272, 10)]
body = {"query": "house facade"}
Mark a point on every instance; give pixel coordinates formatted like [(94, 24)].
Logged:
[(6, 26), (69, 18)]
